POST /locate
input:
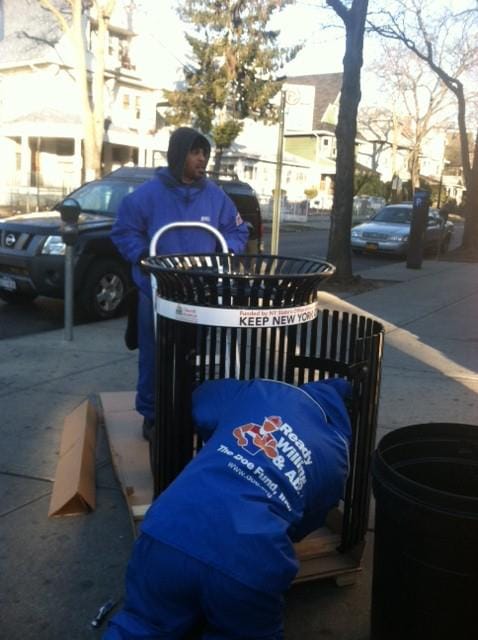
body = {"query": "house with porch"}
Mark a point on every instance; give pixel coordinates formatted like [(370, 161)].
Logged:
[(41, 129)]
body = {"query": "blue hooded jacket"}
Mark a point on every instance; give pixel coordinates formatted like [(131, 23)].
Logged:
[(165, 199), (275, 462)]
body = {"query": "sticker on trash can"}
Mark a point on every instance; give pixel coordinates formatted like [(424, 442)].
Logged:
[(247, 318)]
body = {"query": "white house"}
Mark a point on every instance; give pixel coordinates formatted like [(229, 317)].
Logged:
[(309, 149), (40, 120)]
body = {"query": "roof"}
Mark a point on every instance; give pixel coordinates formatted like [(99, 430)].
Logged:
[(327, 89), (46, 115), (237, 151), (30, 32)]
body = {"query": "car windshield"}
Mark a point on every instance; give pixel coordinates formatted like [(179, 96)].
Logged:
[(394, 215), (103, 196)]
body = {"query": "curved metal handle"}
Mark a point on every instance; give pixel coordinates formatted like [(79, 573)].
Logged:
[(198, 225), (175, 225)]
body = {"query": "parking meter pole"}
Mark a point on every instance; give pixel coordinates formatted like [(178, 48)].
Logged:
[(277, 189), (69, 270), (70, 212), (421, 204)]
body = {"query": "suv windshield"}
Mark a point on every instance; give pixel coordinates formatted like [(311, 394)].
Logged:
[(397, 215), (103, 196)]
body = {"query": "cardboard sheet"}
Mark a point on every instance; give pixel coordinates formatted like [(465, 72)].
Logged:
[(74, 487)]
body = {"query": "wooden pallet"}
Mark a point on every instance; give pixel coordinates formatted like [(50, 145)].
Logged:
[(130, 455)]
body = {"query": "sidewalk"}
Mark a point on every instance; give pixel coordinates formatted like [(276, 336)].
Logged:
[(57, 572)]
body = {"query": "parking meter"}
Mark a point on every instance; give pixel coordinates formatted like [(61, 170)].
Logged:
[(70, 212), (421, 205)]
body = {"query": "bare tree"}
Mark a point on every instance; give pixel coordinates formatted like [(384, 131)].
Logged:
[(420, 102), (69, 15), (430, 38), (339, 251)]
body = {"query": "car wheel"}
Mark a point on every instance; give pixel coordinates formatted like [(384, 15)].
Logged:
[(17, 297), (103, 292)]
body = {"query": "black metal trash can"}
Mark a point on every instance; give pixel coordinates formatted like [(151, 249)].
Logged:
[(425, 576), (243, 316)]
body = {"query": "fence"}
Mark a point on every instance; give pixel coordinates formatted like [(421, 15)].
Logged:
[(290, 211), (22, 198)]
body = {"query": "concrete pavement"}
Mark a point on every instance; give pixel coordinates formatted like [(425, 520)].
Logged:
[(57, 572)]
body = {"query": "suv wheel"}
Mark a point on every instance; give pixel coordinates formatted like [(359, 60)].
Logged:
[(17, 297), (103, 291)]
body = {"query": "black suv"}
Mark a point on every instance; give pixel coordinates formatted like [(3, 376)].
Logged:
[(32, 249)]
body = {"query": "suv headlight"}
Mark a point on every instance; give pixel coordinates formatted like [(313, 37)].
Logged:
[(398, 238), (356, 234), (54, 246)]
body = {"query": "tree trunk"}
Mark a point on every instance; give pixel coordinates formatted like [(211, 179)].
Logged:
[(217, 160), (104, 14), (470, 232), (339, 251), (99, 89), (92, 106), (90, 151)]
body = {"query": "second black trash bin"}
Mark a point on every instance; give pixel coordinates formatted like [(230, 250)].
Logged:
[(425, 576)]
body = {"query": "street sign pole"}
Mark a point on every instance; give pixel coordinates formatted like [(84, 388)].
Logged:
[(277, 190)]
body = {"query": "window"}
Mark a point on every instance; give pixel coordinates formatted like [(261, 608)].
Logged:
[(113, 47), (90, 36), (126, 101), (137, 107), (228, 168), (248, 171)]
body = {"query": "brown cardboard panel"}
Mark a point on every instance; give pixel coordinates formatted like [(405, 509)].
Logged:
[(129, 451), (74, 487)]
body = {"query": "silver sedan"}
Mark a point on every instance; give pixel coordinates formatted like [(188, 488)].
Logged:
[(389, 230)]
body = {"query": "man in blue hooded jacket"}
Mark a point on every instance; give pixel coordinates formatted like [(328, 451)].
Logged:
[(216, 553), (178, 193)]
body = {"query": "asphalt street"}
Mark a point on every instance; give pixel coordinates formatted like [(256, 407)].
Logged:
[(46, 314)]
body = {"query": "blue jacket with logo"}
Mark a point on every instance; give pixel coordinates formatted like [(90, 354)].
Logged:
[(164, 200), (274, 463)]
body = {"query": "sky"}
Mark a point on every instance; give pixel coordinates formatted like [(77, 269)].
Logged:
[(323, 51), (322, 54)]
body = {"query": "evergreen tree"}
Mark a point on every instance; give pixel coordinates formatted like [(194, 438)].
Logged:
[(234, 67)]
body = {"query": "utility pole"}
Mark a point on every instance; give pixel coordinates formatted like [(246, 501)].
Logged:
[(277, 190)]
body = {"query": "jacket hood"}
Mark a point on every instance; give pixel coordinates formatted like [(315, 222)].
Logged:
[(333, 395), (180, 143), (317, 390)]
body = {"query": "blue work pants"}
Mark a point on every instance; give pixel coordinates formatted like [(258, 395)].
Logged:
[(170, 596), (146, 362)]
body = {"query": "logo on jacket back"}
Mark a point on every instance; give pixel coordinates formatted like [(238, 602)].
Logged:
[(254, 437)]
